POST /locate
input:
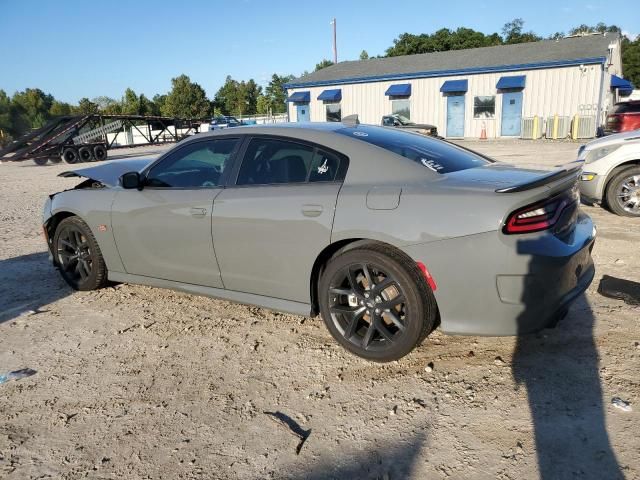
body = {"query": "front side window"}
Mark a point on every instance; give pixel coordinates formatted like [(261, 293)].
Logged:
[(484, 107), (196, 165), (402, 108), (334, 111)]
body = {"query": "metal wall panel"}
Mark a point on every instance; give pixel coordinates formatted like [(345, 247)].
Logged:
[(562, 91)]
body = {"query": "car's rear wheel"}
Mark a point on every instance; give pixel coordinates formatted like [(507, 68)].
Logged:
[(623, 192), (78, 255), (376, 303)]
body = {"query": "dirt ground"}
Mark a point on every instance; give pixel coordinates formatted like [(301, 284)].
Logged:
[(135, 382)]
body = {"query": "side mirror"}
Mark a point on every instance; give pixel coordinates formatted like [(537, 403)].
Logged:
[(131, 180)]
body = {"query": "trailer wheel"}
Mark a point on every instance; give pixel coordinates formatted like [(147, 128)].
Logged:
[(85, 154), (70, 155), (99, 153), (40, 161)]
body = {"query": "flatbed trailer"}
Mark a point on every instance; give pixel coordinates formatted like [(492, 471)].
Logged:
[(87, 138)]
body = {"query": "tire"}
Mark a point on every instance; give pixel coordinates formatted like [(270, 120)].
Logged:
[(55, 159), (70, 155), (99, 153), (78, 256), (40, 161), (391, 318), (85, 154), (623, 192)]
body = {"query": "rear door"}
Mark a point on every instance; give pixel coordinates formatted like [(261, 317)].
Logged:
[(164, 230), (270, 226)]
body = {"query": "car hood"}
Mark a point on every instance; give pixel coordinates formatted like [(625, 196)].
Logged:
[(109, 173), (613, 139)]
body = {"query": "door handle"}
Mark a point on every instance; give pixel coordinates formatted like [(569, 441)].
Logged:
[(198, 212), (311, 210)]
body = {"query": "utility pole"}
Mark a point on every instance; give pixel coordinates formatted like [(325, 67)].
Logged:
[(335, 46)]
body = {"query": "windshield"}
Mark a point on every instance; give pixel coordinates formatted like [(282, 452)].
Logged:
[(626, 107), (436, 155), (403, 120)]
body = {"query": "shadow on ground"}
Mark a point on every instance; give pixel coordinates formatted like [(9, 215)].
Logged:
[(560, 370), (28, 282), (389, 460)]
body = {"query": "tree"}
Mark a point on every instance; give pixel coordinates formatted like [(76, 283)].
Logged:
[(34, 104), (86, 107), (6, 125), (556, 36), (599, 28), (263, 105), (631, 60), (186, 99), (275, 93), (512, 33), (364, 55), (440, 41), (59, 109), (323, 64)]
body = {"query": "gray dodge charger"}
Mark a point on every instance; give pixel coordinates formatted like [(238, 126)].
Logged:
[(386, 234)]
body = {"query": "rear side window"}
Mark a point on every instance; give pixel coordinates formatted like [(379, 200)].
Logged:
[(626, 107), (269, 161), (436, 155)]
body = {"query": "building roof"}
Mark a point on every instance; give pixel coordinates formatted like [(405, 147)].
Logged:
[(543, 54)]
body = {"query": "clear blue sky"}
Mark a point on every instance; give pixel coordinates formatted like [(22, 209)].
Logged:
[(86, 48)]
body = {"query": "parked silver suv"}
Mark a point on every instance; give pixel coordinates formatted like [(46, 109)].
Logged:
[(611, 172)]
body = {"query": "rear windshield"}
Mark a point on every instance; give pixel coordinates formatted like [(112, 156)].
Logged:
[(626, 108), (437, 155)]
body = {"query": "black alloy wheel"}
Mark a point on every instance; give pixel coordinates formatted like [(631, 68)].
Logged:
[(376, 305), (78, 255)]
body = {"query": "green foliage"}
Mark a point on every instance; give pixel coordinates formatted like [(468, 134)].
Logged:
[(441, 41), (238, 98), (512, 33), (599, 28), (631, 60), (186, 99), (323, 64), (59, 109), (34, 105), (275, 96), (86, 107), (364, 55)]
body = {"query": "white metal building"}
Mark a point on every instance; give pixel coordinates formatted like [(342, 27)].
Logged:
[(464, 91)]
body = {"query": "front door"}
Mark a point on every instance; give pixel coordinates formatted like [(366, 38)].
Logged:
[(302, 112), (269, 228), (455, 116), (164, 230), (511, 114)]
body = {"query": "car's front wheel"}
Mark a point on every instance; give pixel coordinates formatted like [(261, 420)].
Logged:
[(376, 303), (78, 255), (623, 192)]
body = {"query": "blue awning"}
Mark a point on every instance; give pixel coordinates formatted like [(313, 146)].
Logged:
[(451, 86), (399, 90), (517, 81), (300, 97), (331, 95), (625, 87)]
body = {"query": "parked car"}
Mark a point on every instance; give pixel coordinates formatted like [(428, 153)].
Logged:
[(400, 121), (624, 117), (386, 233), (224, 121), (611, 172)]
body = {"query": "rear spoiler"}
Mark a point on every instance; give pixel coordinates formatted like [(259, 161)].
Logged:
[(542, 180)]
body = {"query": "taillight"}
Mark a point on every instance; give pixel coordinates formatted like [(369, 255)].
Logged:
[(538, 216)]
